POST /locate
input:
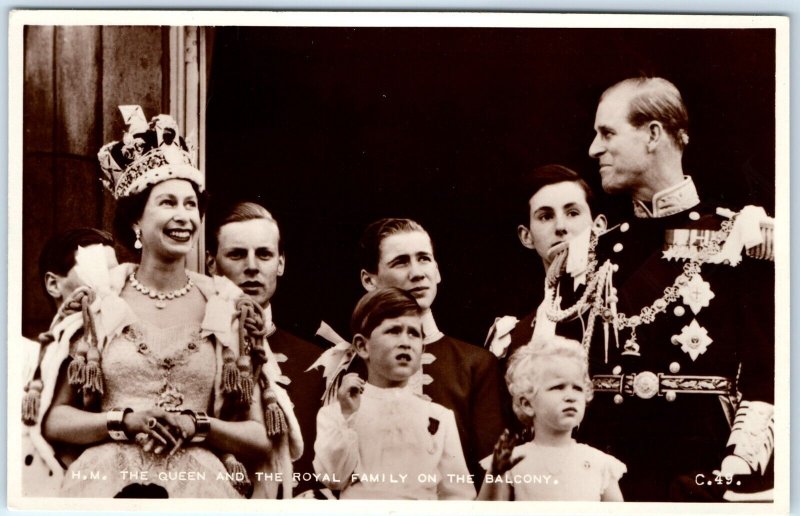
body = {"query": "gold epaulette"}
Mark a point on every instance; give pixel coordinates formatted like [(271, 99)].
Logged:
[(765, 250)]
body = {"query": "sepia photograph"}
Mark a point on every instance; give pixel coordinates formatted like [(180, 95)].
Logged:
[(336, 256)]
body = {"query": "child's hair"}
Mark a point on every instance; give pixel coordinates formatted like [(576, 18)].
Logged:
[(381, 304), (528, 362)]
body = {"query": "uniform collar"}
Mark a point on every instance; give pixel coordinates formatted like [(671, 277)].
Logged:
[(429, 328), (672, 200)]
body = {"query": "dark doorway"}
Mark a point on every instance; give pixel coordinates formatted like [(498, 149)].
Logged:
[(332, 128)]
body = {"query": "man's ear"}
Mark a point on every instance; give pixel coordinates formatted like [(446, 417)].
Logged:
[(360, 343), (655, 134), (51, 284), (211, 263), (525, 237), (368, 280), (281, 264), (600, 224)]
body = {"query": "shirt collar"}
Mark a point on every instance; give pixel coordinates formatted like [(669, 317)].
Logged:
[(429, 328), (669, 201), (268, 323)]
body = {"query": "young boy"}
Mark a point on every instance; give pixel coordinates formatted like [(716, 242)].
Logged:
[(460, 376), (557, 209), (379, 440)]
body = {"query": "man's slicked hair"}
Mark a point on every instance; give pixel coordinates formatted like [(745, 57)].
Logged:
[(531, 182), (655, 98), (370, 244), (239, 212)]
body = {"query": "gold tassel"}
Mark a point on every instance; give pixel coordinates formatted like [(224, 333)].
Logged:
[(85, 370), (244, 365), (274, 418), (230, 373), (30, 402), (251, 330), (94, 374), (76, 372), (238, 475), (258, 353)]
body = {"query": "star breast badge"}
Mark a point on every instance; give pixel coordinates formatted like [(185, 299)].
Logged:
[(693, 339), (696, 293)]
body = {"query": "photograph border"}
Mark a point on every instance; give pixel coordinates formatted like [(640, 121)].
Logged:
[(18, 19)]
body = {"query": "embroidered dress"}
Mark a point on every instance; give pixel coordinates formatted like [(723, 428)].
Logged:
[(576, 472), (181, 366), (397, 445), (144, 367)]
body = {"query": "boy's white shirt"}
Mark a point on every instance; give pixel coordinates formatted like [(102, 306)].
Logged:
[(393, 437)]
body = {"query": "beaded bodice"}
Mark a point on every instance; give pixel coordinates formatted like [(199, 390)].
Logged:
[(148, 366)]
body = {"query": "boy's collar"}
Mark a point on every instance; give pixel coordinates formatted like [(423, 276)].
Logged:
[(385, 393)]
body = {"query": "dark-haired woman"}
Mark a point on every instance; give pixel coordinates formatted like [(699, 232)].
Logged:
[(163, 375)]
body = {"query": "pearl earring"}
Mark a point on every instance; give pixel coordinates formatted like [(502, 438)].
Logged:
[(138, 243)]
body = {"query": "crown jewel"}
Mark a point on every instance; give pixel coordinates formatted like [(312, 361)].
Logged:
[(147, 154)]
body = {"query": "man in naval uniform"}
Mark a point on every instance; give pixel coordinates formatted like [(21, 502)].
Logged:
[(463, 377), (245, 246), (679, 315)]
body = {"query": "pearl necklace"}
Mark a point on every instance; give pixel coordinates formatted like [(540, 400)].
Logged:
[(161, 298)]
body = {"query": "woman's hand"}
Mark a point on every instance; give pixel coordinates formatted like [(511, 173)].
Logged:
[(162, 430), (349, 394)]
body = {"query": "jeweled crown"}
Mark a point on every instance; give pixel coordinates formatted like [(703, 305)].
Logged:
[(147, 154)]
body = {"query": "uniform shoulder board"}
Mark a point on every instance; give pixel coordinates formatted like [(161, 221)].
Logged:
[(764, 250)]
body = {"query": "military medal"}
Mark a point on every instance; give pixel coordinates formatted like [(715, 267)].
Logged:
[(687, 244), (631, 347), (696, 293), (693, 339)]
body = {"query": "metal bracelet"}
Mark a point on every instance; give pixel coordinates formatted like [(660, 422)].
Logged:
[(202, 425), (115, 425)]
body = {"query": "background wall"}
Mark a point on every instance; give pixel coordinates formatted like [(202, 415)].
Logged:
[(332, 128), (75, 77)]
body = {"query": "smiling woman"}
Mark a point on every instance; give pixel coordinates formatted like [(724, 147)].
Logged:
[(164, 219), (177, 391)]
